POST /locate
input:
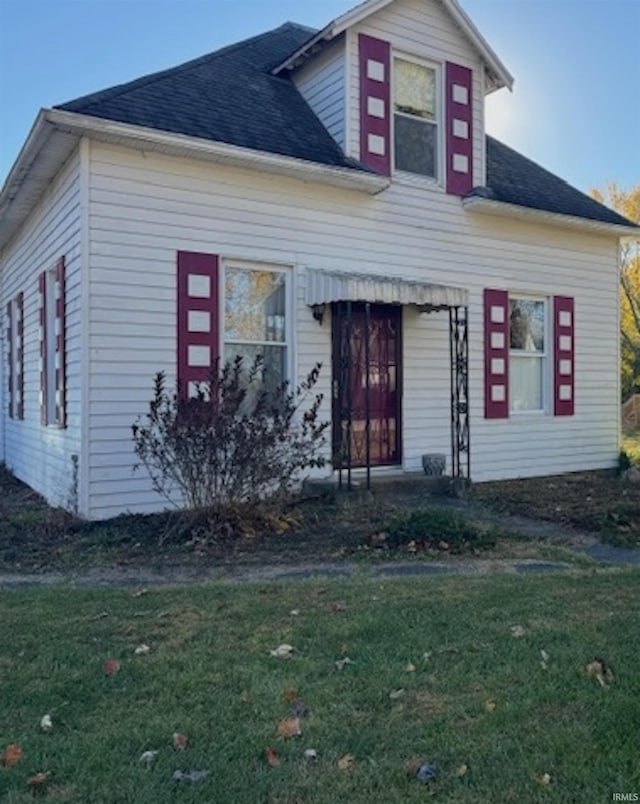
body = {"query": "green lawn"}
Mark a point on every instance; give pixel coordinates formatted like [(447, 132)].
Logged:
[(209, 675)]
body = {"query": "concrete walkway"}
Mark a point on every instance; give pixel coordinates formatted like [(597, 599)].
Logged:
[(128, 577)]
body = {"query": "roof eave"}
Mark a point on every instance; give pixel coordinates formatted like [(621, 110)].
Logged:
[(503, 209), (23, 181)]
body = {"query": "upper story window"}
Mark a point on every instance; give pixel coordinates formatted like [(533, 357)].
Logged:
[(528, 353), (415, 118)]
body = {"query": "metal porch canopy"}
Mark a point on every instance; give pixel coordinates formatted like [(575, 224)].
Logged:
[(324, 287), (345, 291)]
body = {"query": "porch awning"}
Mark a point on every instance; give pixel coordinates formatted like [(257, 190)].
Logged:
[(324, 287)]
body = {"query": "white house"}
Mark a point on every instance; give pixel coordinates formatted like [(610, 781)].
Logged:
[(337, 187)]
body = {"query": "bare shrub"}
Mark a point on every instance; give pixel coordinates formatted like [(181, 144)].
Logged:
[(238, 440)]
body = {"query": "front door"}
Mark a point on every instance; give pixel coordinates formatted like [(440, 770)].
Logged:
[(367, 385)]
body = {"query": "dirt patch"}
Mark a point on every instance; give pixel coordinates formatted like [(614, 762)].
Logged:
[(602, 503)]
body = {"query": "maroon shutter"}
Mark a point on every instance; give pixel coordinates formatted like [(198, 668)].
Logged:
[(197, 322), (10, 357), (42, 287), (459, 129), (20, 356), (496, 354), (375, 99), (563, 355), (61, 344)]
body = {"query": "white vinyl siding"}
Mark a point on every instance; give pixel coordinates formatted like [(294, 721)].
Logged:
[(425, 31), (144, 208), (43, 456), (321, 82)]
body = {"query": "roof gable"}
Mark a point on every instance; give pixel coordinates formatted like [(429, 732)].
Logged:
[(497, 73)]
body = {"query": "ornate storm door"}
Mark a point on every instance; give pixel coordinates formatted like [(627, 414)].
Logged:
[(367, 384)]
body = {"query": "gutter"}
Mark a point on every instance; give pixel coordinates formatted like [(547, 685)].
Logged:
[(486, 206)]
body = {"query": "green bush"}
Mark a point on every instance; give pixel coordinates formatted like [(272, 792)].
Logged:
[(431, 527)]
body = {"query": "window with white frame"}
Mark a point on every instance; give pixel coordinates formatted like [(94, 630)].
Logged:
[(256, 319), (528, 352), (415, 117)]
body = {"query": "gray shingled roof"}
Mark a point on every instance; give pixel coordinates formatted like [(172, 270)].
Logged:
[(514, 179), (230, 96)]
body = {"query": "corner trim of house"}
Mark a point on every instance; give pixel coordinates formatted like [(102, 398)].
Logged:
[(85, 385)]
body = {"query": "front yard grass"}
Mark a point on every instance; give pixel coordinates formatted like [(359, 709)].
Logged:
[(437, 677)]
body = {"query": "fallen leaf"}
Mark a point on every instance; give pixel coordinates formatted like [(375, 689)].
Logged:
[(193, 776), (179, 741), (601, 671), (410, 668), (340, 664), (442, 545), (294, 612), (395, 694), (310, 753), (545, 656), (300, 709), (426, 655), (490, 705), (111, 667), (427, 772), (346, 762), (38, 779), (282, 651), (139, 592), (411, 765), (462, 770), (517, 631), (11, 755), (62, 793), (271, 755), (290, 727), (339, 606), (142, 650), (544, 778), (45, 723), (147, 757), (290, 695)]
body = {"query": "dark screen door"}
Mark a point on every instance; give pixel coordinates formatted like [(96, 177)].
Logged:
[(366, 404)]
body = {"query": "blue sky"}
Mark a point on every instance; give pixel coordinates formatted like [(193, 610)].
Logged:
[(575, 107)]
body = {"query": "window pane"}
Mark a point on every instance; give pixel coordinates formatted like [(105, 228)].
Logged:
[(254, 305), (525, 383), (274, 369), (414, 89), (415, 146), (527, 325)]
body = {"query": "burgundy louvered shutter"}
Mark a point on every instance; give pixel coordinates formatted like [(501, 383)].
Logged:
[(375, 100), (459, 128), (10, 358), (19, 390), (198, 318), (564, 355), (42, 288), (496, 354), (61, 344)]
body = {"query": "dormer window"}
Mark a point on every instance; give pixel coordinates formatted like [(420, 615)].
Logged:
[(415, 117)]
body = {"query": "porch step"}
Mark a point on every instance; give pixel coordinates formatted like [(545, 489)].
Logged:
[(385, 484)]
